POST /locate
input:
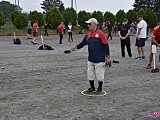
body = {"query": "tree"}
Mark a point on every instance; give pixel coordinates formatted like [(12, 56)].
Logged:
[(99, 16), (50, 4), (54, 17), (120, 15), (70, 15), (151, 17), (144, 4), (108, 16), (142, 12), (2, 19), (82, 17), (13, 15), (20, 21), (132, 16), (32, 16), (6, 8), (156, 7)]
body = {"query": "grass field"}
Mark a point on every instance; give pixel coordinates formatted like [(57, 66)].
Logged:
[(8, 29)]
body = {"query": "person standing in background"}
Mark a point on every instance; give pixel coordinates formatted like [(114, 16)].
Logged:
[(109, 28), (29, 26), (115, 28), (61, 31), (35, 32), (141, 36), (124, 34), (45, 29), (70, 32)]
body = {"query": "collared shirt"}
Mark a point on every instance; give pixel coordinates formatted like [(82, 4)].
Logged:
[(156, 33), (96, 42)]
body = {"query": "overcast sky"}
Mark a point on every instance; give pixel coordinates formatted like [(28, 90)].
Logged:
[(88, 5)]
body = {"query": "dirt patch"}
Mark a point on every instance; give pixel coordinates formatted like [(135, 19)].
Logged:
[(46, 85)]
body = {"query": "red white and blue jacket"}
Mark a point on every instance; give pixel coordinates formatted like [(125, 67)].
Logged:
[(98, 47)]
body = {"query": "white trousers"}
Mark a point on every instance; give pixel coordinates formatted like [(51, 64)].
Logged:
[(96, 71)]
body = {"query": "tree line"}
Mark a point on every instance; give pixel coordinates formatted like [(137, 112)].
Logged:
[(54, 16)]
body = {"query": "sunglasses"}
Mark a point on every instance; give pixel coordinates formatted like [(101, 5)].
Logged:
[(89, 24)]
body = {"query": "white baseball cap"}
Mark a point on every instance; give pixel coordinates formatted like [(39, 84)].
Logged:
[(92, 20)]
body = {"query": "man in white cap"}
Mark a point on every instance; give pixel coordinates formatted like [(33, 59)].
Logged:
[(99, 54)]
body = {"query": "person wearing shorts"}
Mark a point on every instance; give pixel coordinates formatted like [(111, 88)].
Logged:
[(70, 32), (29, 26), (35, 31), (98, 50), (155, 41), (141, 36)]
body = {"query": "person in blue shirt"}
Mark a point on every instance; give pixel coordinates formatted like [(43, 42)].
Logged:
[(29, 26), (99, 54)]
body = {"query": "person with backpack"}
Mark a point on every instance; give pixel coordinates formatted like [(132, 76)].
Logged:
[(61, 31), (35, 31)]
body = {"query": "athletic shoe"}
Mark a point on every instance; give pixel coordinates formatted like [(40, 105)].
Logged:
[(139, 57), (33, 42), (115, 61), (143, 57), (91, 90), (99, 90), (149, 66), (131, 57), (123, 58)]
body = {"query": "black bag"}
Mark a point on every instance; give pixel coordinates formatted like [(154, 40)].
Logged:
[(46, 47), (16, 41), (67, 51)]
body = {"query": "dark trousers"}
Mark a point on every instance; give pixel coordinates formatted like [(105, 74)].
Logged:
[(126, 43), (61, 37), (45, 32), (109, 35), (70, 36)]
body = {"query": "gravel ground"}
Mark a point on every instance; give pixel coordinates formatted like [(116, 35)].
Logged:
[(46, 85)]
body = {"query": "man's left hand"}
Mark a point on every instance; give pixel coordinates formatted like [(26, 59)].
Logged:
[(108, 61)]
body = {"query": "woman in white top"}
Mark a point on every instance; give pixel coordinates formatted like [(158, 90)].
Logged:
[(70, 32)]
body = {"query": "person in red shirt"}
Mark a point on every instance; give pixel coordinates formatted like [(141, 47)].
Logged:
[(35, 31), (155, 41), (60, 31)]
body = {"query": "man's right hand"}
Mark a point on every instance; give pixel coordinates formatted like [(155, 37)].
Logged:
[(74, 48), (137, 38), (122, 38)]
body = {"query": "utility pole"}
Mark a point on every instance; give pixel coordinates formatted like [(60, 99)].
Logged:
[(18, 3), (71, 3)]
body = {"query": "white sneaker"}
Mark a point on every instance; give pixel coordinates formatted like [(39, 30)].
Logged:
[(123, 58), (131, 57)]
